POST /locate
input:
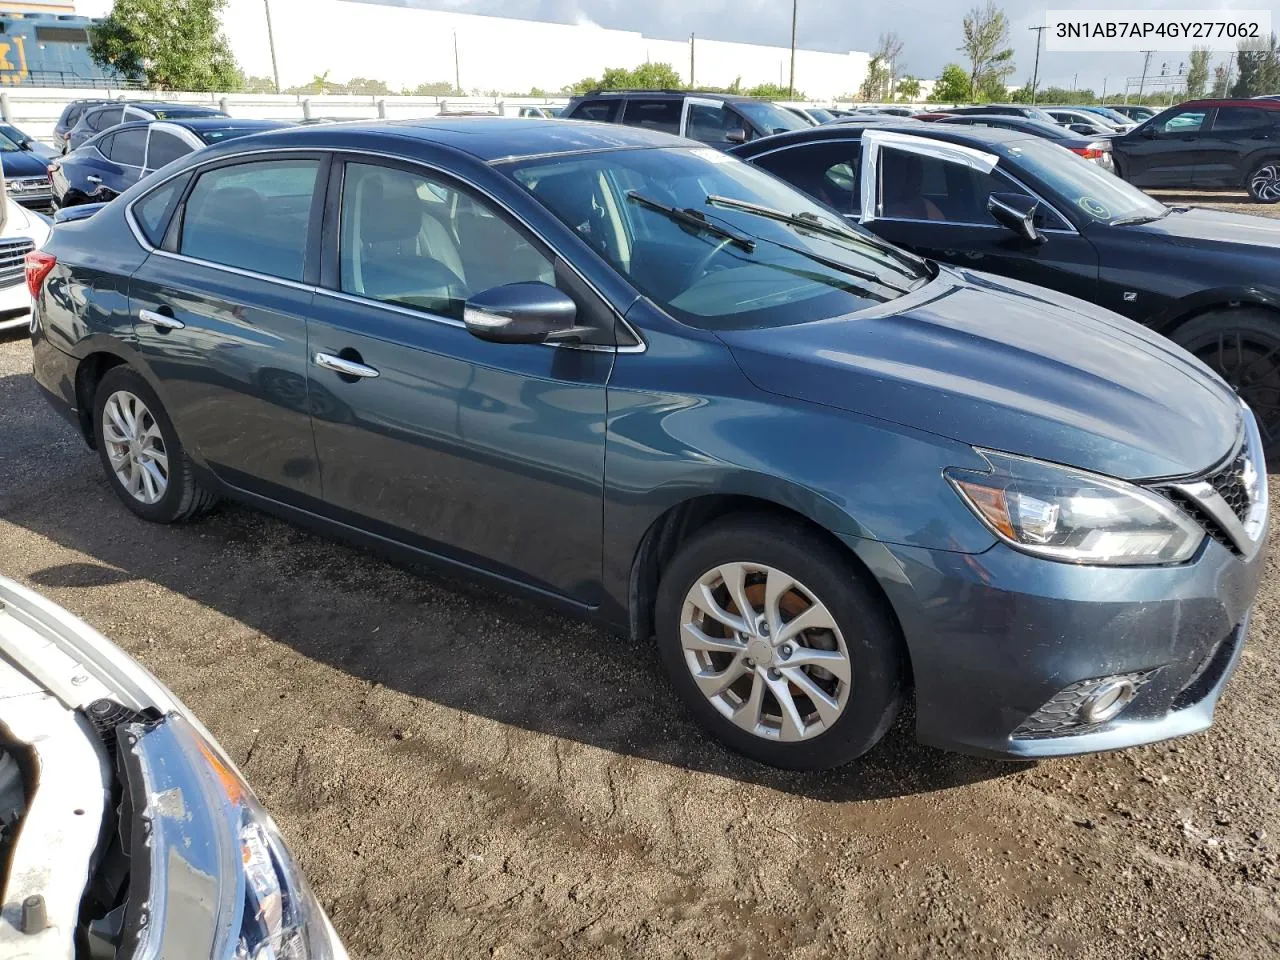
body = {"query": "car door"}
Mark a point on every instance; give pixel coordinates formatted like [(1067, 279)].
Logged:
[(489, 454), (829, 171), (931, 197), (713, 122), (221, 311), (1227, 145), (125, 151), (1163, 152), (167, 143)]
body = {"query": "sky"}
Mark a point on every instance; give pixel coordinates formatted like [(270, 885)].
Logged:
[(930, 29)]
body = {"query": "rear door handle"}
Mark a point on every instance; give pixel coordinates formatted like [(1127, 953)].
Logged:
[(160, 320), (348, 368)]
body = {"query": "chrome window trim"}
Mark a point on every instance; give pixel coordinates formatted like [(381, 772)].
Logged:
[(195, 169), (965, 224)]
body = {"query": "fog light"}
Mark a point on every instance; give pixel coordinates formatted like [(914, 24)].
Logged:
[(1106, 702)]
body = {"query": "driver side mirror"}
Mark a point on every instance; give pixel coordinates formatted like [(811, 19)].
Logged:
[(1148, 131), (532, 312), (736, 136), (1018, 213)]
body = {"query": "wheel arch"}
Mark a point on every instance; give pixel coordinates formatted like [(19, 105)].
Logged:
[(684, 520), (94, 357), (1208, 301)]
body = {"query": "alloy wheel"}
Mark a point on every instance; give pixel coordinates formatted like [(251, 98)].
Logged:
[(1250, 363), (765, 651), (135, 447), (1265, 183)]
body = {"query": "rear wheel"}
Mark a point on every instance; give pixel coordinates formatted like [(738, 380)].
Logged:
[(1264, 182), (140, 452), (777, 646), (1243, 347)]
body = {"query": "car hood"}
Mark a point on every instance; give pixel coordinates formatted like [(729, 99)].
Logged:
[(1004, 365), (24, 163), (1216, 227)]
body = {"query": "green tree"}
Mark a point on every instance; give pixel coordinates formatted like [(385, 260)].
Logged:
[(1220, 80), (1198, 72), (952, 86), (908, 88), (367, 88), (774, 91), (1258, 66), (875, 85), (647, 76), (436, 88), (258, 85), (171, 44), (986, 44)]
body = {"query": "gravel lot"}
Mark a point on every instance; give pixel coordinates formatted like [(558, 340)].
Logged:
[(464, 775)]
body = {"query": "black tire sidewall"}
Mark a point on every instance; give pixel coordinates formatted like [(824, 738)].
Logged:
[(869, 630), (167, 508)]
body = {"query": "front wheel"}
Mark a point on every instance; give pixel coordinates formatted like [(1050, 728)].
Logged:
[(1243, 347), (1264, 182), (776, 644)]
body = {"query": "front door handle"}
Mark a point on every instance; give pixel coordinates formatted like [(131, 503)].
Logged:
[(92, 179), (347, 368), (163, 321)]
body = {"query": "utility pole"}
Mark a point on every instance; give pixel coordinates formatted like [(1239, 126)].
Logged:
[(692, 41), (271, 40), (1104, 89), (1035, 74), (791, 87), (1075, 81), (1146, 64), (457, 70)]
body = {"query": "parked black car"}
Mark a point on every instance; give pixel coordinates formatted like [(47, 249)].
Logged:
[(26, 174), (1004, 109), (112, 162), (1011, 204), (718, 119), (662, 390), (1206, 144), (70, 116), (1097, 149), (97, 119)]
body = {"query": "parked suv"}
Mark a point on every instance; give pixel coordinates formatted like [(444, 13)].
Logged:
[(721, 120), (71, 115), (97, 119), (1206, 143)]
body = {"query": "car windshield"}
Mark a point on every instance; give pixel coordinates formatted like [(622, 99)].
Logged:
[(180, 113), (218, 134), (8, 144), (769, 117), (822, 116), (1113, 115), (1082, 184), (1035, 113), (668, 220)]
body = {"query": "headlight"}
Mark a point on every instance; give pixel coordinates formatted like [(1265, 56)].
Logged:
[(214, 878), (1074, 516)]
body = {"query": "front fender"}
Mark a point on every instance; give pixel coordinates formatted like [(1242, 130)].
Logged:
[(1174, 313)]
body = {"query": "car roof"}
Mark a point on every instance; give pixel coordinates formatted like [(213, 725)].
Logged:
[(956, 133), (485, 138), (1229, 102), (715, 95)]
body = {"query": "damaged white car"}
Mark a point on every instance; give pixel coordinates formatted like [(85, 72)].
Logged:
[(125, 830)]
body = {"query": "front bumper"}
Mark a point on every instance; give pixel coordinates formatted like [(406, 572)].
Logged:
[(993, 637)]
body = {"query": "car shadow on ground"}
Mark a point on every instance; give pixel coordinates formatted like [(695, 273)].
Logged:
[(411, 630)]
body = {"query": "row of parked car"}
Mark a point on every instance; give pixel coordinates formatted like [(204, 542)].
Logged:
[(834, 416)]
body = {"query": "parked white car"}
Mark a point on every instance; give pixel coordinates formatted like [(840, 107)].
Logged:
[(21, 231)]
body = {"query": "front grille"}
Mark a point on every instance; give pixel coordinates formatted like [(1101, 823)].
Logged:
[(1229, 482), (1210, 526), (12, 267)]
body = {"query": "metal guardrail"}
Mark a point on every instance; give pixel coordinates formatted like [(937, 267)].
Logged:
[(64, 79)]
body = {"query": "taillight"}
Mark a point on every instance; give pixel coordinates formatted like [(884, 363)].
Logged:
[(1091, 152), (38, 264)]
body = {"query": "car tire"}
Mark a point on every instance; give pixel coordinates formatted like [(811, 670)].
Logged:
[(825, 577), (1243, 347), (1263, 182), (143, 458)]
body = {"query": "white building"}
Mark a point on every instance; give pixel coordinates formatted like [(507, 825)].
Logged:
[(405, 46)]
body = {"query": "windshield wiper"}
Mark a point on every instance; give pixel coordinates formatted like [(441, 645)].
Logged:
[(1141, 218), (807, 220), (694, 219)]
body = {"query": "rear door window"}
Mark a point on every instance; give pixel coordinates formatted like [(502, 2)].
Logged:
[(1232, 120), (152, 212), (654, 114), (602, 111), (103, 119), (128, 147), (252, 216), (165, 148)]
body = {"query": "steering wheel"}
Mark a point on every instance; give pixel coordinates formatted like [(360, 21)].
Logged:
[(704, 262)]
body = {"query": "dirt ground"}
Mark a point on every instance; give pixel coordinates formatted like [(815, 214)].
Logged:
[(464, 775)]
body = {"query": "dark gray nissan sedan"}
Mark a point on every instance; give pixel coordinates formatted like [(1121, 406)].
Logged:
[(657, 387)]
